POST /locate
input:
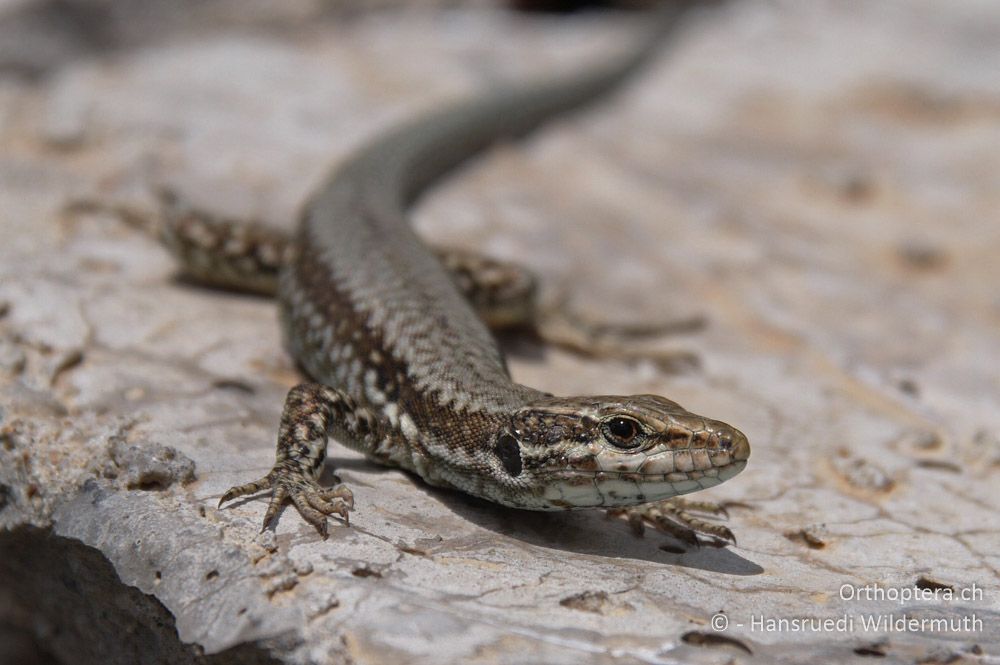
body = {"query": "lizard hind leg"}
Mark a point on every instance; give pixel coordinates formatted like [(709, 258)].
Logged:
[(221, 252), (210, 249), (312, 413), (505, 296)]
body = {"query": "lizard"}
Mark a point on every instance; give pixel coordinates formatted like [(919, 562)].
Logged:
[(402, 365)]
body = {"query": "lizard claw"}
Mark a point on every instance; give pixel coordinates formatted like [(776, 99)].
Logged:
[(312, 501), (674, 517), (249, 488)]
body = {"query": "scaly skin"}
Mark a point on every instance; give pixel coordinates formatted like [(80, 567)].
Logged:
[(403, 368)]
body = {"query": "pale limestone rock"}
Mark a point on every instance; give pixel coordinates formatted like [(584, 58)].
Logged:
[(816, 180)]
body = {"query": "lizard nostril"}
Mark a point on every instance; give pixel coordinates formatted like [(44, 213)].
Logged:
[(740, 448), (725, 443)]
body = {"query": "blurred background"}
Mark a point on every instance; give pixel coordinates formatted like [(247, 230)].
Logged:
[(805, 192)]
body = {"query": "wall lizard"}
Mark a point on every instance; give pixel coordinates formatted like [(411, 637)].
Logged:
[(403, 367)]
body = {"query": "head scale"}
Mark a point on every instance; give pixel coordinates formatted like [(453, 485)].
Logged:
[(578, 452)]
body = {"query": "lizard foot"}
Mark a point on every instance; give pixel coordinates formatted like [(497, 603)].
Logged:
[(313, 502), (676, 517), (559, 326)]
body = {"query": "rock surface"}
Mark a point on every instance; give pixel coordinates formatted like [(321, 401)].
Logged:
[(816, 181)]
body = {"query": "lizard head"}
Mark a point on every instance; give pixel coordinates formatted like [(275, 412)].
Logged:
[(576, 452)]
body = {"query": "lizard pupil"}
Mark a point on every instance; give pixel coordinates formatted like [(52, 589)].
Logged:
[(622, 430)]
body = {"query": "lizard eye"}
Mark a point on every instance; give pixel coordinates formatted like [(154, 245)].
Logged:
[(622, 432)]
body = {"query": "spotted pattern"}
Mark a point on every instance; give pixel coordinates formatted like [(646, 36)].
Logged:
[(407, 372), (238, 255)]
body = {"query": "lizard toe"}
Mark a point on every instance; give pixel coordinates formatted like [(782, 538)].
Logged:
[(674, 517), (259, 485)]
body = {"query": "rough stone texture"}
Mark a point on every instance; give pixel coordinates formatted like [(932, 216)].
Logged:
[(63, 602), (817, 180)]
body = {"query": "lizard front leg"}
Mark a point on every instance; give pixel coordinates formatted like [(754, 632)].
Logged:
[(312, 413), (677, 517)]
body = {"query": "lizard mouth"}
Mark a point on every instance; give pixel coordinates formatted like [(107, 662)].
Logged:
[(719, 473), (573, 488)]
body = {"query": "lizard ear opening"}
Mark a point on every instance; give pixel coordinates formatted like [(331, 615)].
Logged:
[(509, 453)]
